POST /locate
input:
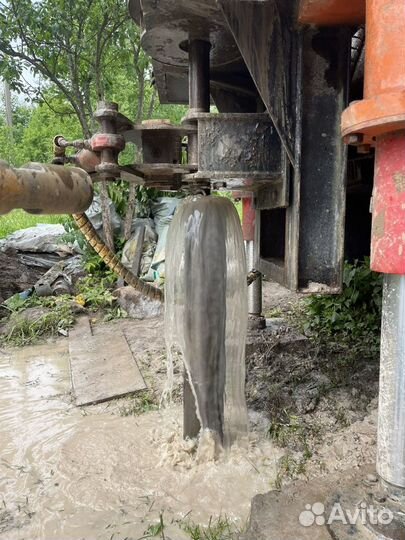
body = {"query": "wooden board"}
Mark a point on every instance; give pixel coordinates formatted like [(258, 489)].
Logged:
[(102, 367)]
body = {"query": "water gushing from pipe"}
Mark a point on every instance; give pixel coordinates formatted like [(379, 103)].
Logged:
[(206, 311)]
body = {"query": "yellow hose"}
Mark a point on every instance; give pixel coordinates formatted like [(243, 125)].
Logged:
[(112, 261)]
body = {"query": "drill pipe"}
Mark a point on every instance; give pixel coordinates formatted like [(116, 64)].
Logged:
[(44, 189)]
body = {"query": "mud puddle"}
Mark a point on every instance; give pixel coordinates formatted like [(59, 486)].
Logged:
[(69, 473)]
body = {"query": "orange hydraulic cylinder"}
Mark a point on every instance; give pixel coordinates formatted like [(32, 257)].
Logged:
[(379, 119), (385, 47), (332, 12), (383, 108)]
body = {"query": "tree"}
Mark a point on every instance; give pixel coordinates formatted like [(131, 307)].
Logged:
[(64, 42), (80, 52)]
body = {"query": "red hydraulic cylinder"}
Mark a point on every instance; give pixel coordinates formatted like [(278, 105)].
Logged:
[(248, 219), (388, 233), (379, 120)]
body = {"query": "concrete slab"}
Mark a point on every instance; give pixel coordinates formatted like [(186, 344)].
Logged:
[(102, 367)]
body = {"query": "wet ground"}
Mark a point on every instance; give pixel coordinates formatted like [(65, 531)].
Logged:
[(102, 472), (67, 472)]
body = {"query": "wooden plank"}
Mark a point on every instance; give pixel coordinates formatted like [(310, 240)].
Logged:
[(102, 367)]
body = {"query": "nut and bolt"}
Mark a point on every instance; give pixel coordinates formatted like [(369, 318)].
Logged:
[(354, 138)]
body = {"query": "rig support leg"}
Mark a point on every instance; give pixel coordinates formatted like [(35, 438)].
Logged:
[(391, 421), (256, 319)]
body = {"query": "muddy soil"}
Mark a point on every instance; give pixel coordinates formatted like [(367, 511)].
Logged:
[(110, 471), (15, 276), (320, 402)]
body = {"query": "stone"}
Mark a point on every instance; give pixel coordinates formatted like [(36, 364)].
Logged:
[(136, 305)]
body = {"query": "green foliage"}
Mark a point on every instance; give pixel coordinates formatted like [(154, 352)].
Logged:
[(93, 292), (354, 317), (18, 219), (73, 45), (24, 331), (93, 264), (37, 139), (96, 292), (11, 146), (228, 195), (155, 530), (144, 199), (217, 529)]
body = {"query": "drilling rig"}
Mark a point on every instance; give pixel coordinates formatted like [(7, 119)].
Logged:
[(309, 133)]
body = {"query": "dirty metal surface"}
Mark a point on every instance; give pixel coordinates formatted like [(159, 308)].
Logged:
[(168, 26), (239, 144), (170, 23), (265, 34), (303, 245), (388, 242), (102, 367), (44, 189), (326, 58), (273, 195)]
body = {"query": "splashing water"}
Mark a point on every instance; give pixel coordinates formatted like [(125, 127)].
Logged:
[(206, 311)]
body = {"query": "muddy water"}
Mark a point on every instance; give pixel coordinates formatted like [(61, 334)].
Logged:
[(67, 473)]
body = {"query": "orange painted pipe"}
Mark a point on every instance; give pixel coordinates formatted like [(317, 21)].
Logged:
[(385, 47), (383, 108), (379, 119), (332, 12)]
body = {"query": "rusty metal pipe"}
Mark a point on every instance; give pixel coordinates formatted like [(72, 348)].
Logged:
[(40, 189)]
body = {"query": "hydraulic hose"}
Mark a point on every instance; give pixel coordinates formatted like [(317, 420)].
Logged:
[(112, 261)]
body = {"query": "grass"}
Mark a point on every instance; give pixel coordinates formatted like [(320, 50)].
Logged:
[(24, 331), (18, 219), (290, 431), (58, 316), (141, 402), (296, 435), (217, 529), (289, 469)]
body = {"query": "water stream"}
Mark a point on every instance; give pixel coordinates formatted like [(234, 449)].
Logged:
[(71, 473), (206, 310)]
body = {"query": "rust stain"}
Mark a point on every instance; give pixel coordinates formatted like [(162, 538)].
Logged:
[(379, 225), (66, 177), (399, 181)]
